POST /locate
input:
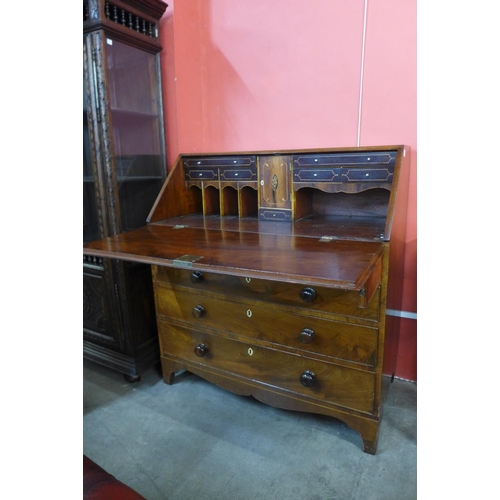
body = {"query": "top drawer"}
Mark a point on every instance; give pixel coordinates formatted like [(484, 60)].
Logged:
[(386, 158), (220, 167), (313, 299)]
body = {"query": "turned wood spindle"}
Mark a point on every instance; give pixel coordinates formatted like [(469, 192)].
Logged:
[(306, 336), (307, 378), (308, 294), (198, 311), (200, 350)]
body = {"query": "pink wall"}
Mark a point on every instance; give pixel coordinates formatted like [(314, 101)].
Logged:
[(255, 75)]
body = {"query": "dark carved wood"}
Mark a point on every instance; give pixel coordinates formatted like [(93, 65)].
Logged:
[(130, 21), (119, 315)]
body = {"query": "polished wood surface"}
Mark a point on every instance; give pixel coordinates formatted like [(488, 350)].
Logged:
[(349, 388), (271, 273), (124, 170), (382, 199), (334, 263), (307, 333), (339, 301)]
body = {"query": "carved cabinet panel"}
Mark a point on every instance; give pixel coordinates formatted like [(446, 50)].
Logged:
[(124, 169)]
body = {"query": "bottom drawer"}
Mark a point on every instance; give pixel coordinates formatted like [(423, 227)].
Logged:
[(326, 382)]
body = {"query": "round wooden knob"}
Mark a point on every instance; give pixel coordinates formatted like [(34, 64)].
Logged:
[(306, 336), (198, 311), (307, 378), (200, 350), (308, 294), (196, 276)]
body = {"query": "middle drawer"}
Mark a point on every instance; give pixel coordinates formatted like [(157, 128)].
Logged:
[(354, 343)]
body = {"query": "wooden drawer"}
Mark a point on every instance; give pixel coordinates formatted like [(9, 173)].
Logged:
[(366, 174), (344, 168), (342, 386), (238, 174), (316, 174), (219, 161), (201, 174), (343, 175), (344, 303), (229, 168), (344, 341), (368, 158), (275, 214)]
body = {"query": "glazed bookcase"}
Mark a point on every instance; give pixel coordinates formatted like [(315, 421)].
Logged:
[(124, 169)]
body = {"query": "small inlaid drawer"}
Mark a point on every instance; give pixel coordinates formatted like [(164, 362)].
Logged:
[(238, 174), (275, 214), (316, 174), (201, 174), (353, 343), (367, 174), (318, 380), (223, 167), (220, 161), (345, 159)]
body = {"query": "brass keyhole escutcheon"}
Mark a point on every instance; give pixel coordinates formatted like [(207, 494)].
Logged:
[(274, 182), (250, 351), (249, 313)]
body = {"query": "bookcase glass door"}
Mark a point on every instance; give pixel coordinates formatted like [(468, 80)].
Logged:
[(136, 119)]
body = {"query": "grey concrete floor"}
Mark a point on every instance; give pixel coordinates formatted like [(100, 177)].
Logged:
[(195, 441)]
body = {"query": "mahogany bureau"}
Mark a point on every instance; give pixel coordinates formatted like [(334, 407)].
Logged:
[(271, 275)]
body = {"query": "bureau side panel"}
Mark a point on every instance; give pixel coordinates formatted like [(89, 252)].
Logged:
[(396, 232), (175, 198)]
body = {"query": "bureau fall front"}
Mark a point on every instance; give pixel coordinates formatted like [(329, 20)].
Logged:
[(272, 272)]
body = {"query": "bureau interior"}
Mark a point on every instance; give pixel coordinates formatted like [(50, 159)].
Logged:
[(339, 194), (336, 193), (347, 215), (225, 200), (372, 203)]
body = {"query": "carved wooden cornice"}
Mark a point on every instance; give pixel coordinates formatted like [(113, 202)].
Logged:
[(126, 20)]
